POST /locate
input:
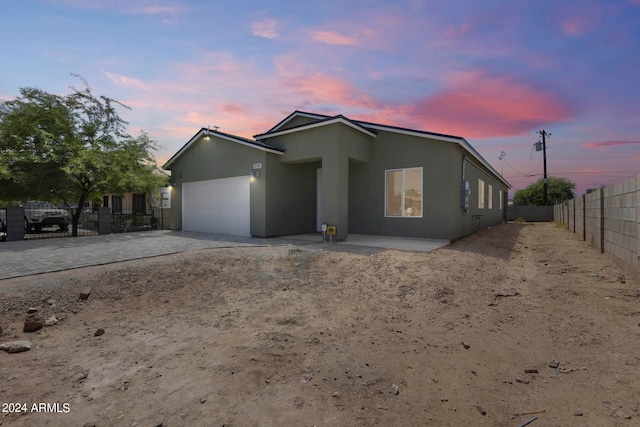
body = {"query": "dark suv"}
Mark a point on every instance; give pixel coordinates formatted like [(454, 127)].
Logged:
[(44, 214)]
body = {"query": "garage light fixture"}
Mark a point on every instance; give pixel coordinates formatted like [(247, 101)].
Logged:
[(206, 134)]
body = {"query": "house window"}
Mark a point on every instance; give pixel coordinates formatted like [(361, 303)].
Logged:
[(105, 201), (490, 200), (403, 193), (138, 203), (116, 204), (480, 194), (500, 192)]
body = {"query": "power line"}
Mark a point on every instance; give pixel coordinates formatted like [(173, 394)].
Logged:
[(516, 171)]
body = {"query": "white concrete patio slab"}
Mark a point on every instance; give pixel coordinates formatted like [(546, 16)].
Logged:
[(384, 242)]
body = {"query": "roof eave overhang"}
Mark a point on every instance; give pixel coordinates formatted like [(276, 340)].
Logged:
[(205, 132)]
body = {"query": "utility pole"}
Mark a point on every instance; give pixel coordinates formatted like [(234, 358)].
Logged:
[(544, 157), (500, 157)]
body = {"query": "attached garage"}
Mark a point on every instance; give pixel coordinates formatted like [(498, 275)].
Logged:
[(219, 206)]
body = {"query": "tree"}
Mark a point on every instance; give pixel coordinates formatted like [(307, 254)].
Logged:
[(71, 148), (558, 190)]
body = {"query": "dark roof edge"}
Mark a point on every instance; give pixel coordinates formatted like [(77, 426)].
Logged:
[(205, 131), (355, 124), (290, 116), (442, 135)]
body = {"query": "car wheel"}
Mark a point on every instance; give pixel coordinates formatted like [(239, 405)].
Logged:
[(38, 228), (64, 227), (27, 228)]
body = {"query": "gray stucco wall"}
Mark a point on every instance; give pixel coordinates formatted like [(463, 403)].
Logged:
[(367, 187), (291, 197), (443, 217), (333, 146), (476, 218)]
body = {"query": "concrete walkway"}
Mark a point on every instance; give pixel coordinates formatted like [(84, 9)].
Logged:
[(29, 257), (383, 242)]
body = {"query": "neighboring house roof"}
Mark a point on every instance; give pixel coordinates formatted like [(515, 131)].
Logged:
[(376, 126), (238, 139), (324, 121)]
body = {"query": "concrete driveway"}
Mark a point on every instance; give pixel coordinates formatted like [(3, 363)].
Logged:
[(29, 257)]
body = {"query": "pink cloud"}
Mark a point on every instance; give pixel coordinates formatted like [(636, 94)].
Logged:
[(375, 28), (478, 105), (233, 109), (332, 37), (266, 28), (208, 91), (130, 82), (322, 88), (303, 86), (603, 144), (394, 115)]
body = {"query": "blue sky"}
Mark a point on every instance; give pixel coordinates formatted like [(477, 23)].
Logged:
[(494, 72)]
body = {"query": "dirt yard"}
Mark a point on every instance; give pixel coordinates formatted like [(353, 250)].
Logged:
[(515, 322)]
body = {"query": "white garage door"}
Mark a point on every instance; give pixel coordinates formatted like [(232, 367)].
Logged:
[(219, 206)]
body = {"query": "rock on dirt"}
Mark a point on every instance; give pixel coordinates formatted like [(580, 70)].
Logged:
[(51, 321), (32, 323), (15, 346), (84, 294)]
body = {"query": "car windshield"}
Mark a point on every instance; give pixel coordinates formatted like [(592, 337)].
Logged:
[(38, 205)]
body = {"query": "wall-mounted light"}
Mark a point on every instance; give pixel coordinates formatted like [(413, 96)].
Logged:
[(255, 174), (206, 134)]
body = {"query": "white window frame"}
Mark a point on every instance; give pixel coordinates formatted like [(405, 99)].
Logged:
[(404, 215), (490, 196), (481, 196)]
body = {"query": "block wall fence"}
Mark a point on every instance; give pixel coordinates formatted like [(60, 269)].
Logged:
[(609, 220)]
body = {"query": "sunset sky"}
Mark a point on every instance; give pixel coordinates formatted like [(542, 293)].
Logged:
[(491, 71)]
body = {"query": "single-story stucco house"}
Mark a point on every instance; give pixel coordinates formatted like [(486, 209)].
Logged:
[(313, 169)]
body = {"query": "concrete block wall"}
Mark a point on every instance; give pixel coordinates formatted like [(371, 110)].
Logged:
[(609, 219), (593, 217), (620, 221), (579, 227)]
